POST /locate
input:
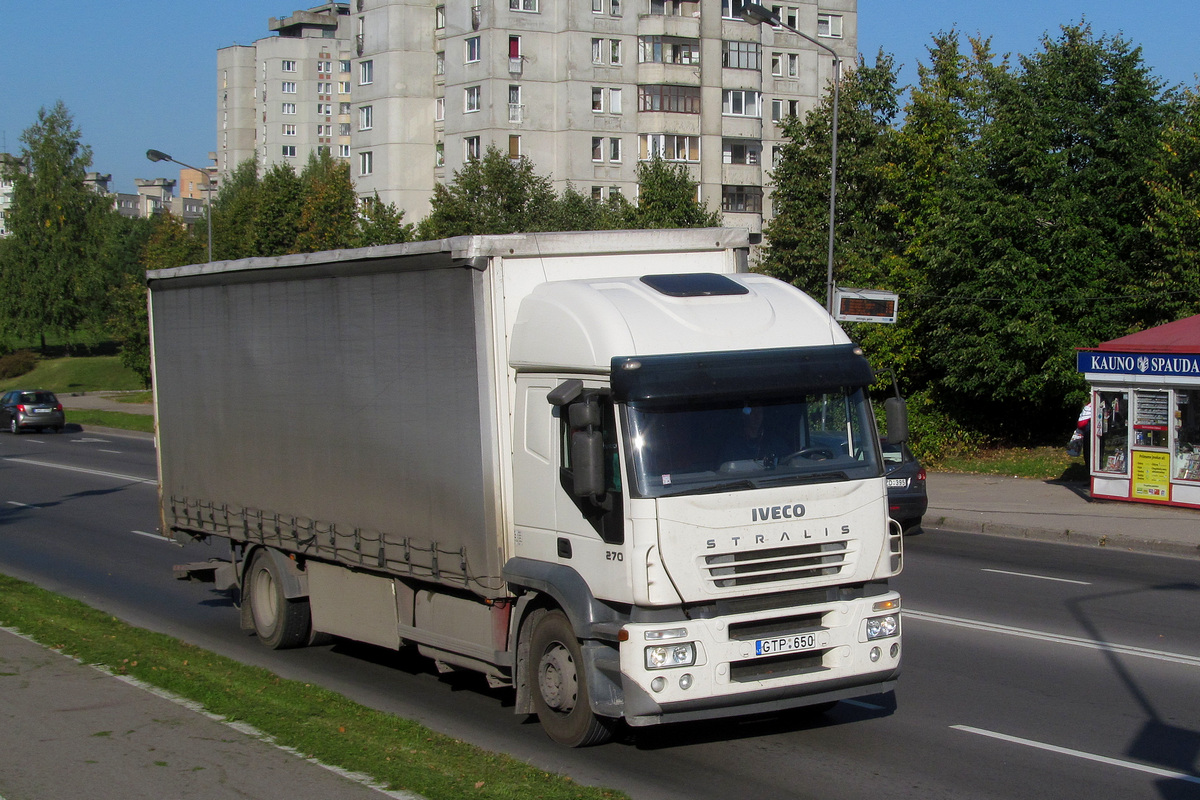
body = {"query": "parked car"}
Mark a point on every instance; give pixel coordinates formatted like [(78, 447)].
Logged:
[(36, 409), (907, 497)]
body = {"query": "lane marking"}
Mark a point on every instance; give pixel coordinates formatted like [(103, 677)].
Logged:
[(117, 475), (1038, 577), (19, 505), (152, 536), (1075, 641), (102, 450), (89, 440), (1066, 751)]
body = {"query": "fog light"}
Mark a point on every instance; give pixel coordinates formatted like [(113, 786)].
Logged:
[(895, 649), (685, 680), (658, 684), (875, 654)]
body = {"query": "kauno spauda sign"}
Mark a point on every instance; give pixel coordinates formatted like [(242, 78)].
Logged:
[(1139, 364)]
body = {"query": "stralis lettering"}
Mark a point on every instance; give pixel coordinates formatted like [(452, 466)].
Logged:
[(776, 512), (784, 537)]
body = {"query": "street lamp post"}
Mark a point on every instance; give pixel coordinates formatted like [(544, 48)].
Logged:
[(158, 155), (756, 15)]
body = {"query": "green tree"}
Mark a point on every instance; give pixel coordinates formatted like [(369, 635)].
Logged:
[(491, 195), (328, 219), (380, 223), (51, 277), (667, 198), (1173, 282), (235, 211), (277, 213)]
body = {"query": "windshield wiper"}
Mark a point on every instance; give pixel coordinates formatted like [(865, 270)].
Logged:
[(728, 486)]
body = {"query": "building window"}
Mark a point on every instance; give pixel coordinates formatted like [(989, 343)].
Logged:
[(472, 49), (439, 109), (666, 50), (790, 15), (741, 55), (731, 9), (514, 47), (597, 99), (289, 130), (674, 99), (289, 66), (793, 65), (597, 6), (615, 8), (366, 162), (289, 108), (343, 129), (366, 118), (439, 18), (289, 87), (439, 154), (324, 87), (740, 103), (668, 147), (343, 151), (325, 109), (597, 193), (829, 25), (742, 199), (325, 66), (515, 107), (344, 108), (289, 151), (366, 73), (514, 146), (740, 152), (597, 148), (597, 51), (471, 148), (471, 99), (776, 110), (344, 65), (614, 51), (343, 87), (614, 149), (614, 101), (440, 68), (523, 5)]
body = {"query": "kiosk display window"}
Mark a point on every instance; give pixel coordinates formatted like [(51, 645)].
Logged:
[(1186, 460), (1150, 419), (1112, 431)]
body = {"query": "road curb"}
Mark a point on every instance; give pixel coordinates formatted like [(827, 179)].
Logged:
[(1065, 536)]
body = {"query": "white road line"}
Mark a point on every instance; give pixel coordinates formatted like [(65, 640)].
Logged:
[(118, 476), (1092, 644), (1038, 577), (20, 505), (152, 536), (114, 452), (1066, 751)]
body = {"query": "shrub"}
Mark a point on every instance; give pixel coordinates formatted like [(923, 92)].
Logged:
[(17, 364), (934, 435)]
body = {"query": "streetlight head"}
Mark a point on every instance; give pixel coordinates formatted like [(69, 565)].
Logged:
[(158, 155), (756, 14)]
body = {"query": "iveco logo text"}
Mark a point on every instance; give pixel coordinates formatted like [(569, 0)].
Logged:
[(776, 512)]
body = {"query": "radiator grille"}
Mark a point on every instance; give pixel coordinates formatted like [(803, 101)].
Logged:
[(775, 565)]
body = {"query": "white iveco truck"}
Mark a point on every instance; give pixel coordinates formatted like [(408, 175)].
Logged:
[(614, 471)]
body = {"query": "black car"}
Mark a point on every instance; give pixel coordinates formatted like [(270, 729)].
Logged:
[(36, 409), (907, 498)]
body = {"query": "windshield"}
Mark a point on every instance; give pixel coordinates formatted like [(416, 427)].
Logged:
[(696, 447)]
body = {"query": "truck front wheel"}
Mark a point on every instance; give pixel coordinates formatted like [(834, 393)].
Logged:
[(560, 695), (280, 623)]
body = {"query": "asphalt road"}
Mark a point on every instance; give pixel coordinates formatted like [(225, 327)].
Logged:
[(1031, 670)]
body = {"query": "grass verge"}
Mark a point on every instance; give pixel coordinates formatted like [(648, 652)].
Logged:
[(111, 419), (77, 374), (319, 723), (1042, 463)]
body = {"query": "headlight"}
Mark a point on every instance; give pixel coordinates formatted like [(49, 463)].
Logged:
[(671, 655), (883, 627)]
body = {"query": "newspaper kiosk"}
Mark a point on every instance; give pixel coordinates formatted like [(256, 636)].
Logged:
[(1145, 429)]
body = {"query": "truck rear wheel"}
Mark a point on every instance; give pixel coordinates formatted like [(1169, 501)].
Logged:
[(560, 695), (280, 623)]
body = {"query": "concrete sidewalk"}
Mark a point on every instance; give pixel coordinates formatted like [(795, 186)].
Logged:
[(70, 730), (1058, 512)]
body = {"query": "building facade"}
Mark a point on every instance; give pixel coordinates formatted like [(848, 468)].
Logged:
[(409, 90)]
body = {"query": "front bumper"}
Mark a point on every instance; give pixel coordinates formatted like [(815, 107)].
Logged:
[(729, 677)]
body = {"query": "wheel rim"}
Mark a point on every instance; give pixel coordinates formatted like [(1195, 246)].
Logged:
[(558, 681), (264, 600)]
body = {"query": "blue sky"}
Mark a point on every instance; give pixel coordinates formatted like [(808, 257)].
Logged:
[(140, 74)]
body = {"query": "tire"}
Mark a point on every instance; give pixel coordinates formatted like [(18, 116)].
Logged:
[(559, 684), (279, 623), (13, 427)]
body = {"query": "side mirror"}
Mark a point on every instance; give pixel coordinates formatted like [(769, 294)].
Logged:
[(587, 447), (896, 413)]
